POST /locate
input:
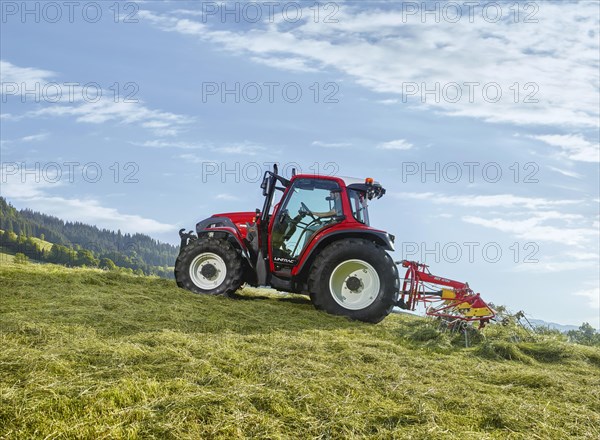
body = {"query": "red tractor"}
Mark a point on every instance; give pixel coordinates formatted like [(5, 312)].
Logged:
[(315, 241)]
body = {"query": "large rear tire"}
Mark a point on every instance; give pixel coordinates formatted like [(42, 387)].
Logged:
[(209, 266), (355, 278)]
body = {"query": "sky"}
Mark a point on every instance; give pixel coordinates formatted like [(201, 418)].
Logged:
[(480, 119)]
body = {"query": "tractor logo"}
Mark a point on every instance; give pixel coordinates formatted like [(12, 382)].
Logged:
[(284, 260)]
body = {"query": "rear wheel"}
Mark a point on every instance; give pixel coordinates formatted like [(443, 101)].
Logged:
[(209, 266), (354, 278)]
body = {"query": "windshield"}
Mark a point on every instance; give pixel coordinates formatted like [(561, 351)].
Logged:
[(358, 203)]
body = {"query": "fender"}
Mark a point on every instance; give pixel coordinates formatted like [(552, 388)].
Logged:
[(226, 226), (380, 237), (213, 222)]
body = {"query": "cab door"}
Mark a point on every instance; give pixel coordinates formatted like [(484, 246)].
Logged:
[(309, 206)]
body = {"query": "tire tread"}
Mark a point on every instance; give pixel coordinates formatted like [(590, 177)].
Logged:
[(321, 299), (233, 260)]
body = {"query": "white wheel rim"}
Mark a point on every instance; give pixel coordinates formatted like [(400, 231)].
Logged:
[(360, 297), (208, 282)]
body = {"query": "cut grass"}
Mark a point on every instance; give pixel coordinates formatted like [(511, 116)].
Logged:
[(93, 354)]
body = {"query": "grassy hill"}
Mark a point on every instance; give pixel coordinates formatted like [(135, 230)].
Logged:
[(42, 244), (7, 255), (92, 354)]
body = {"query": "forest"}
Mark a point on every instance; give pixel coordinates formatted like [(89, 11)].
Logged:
[(49, 239)]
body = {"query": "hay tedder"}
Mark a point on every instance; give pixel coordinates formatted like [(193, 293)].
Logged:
[(454, 302), (317, 241)]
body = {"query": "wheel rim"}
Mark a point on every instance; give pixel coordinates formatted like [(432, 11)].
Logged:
[(203, 275), (354, 284)]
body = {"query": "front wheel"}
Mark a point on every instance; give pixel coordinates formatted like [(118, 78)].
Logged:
[(209, 266), (354, 278)]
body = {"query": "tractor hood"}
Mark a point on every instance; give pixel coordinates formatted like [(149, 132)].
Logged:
[(238, 217)]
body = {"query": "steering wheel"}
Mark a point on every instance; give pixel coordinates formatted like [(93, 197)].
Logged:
[(304, 209)]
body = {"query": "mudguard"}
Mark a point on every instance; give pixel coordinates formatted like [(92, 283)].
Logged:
[(380, 237), (226, 226)]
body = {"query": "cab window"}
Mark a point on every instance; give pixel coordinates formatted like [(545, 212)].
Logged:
[(358, 203)]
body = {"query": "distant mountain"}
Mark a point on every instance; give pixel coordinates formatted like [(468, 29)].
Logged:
[(563, 328), (137, 252)]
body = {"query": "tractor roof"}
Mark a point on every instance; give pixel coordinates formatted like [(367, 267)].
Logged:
[(369, 186), (372, 188)]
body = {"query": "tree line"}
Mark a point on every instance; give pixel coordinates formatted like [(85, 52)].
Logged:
[(79, 244)]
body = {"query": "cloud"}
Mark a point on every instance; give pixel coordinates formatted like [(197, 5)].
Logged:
[(20, 183), (567, 261), (34, 137), (535, 228), (72, 103), (331, 144), (239, 148), (92, 212), (566, 172), (160, 143), (30, 76), (398, 144), (34, 190), (488, 201), (192, 158), (573, 146), (30, 138), (545, 267), (388, 101), (386, 53), (227, 197), (245, 148), (527, 218), (584, 256), (291, 64), (592, 295), (106, 110)]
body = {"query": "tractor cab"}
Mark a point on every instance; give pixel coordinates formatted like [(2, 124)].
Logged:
[(311, 205)]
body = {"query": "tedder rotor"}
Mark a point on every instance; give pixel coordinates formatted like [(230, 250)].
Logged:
[(317, 240), (454, 302)]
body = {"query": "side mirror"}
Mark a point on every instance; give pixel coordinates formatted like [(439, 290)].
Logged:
[(265, 185)]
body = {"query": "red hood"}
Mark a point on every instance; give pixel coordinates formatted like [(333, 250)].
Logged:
[(239, 219)]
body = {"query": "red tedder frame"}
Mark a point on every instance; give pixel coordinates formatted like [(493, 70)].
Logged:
[(465, 305)]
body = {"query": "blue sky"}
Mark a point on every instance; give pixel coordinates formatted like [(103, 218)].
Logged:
[(178, 150)]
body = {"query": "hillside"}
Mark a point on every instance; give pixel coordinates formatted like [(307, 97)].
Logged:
[(98, 354), (38, 233), (560, 327)]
